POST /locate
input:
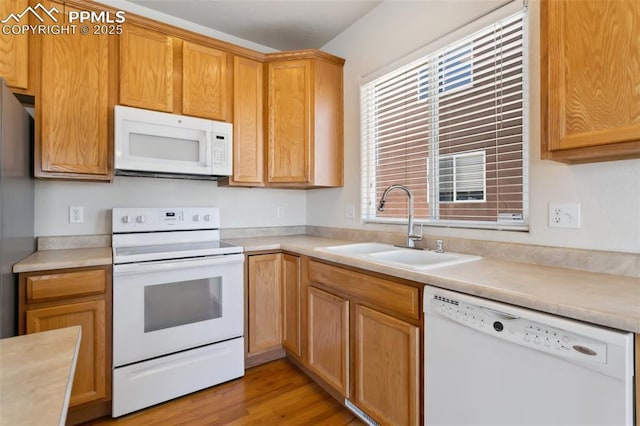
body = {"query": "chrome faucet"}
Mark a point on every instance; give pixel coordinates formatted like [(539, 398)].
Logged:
[(411, 237)]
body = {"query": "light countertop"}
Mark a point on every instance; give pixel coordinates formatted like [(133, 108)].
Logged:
[(36, 375), (609, 300), (60, 259)]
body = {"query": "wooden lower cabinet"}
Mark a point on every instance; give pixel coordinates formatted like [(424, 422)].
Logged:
[(264, 310), (89, 383), (292, 305), (364, 339), (328, 339), (54, 299), (387, 367)]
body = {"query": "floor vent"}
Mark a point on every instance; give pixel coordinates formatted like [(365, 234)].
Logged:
[(361, 414)]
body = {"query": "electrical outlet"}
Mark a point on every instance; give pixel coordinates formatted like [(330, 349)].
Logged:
[(279, 211), (349, 211), (564, 215), (76, 214)]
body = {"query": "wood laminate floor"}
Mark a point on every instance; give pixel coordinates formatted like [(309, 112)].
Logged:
[(272, 394)]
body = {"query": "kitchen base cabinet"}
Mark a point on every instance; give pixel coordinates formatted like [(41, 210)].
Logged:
[(264, 308), (292, 304), (50, 300), (387, 358), (364, 340), (328, 339)]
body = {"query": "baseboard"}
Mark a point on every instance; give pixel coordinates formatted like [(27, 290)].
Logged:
[(263, 357)]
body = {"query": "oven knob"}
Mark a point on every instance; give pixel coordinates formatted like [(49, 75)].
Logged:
[(126, 219), (207, 217), (141, 219), (196, 218)]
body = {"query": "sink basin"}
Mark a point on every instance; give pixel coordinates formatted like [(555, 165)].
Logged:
[(359, 248), (388, 254), (422, 260)]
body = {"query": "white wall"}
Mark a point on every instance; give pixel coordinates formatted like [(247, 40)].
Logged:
[(239, 207), (609, 193)]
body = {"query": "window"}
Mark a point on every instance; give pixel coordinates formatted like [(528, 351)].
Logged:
[(462, 177), (451, 126)]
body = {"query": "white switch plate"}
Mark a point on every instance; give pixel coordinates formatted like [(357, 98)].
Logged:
[(76, 214), (279, 211), (566, 215), (349, 211)]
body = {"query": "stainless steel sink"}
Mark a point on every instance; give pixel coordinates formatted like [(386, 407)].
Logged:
[(398, 256)]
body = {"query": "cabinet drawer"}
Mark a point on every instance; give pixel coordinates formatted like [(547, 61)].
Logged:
[(54, 286), (400, 298)]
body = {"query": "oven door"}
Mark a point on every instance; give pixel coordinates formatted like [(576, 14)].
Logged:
[(169, 306)]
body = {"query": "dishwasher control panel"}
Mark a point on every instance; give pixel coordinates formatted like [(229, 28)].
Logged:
[(520, 330)]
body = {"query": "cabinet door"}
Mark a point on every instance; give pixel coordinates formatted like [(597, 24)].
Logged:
[(387, 367), (289, 111), (89, 382), (248, 144), (265, 303), (590, 79), (14, 48), (328, 339), (205, 82), (291, 304), (146, 69), (74, 138)]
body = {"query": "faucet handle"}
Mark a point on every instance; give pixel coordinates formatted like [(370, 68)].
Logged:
[(414, 236)]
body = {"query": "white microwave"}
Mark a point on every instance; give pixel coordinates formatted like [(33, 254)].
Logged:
[(151, 143)]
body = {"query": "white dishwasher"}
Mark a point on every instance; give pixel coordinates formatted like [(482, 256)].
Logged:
[(488, 363)]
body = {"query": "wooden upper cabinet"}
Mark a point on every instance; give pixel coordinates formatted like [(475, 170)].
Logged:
[(14, 49), (290, 113), (305, 120), (73, 125), (248, 129), (146, 69), (161, 72), (205, 82), (590, 79)]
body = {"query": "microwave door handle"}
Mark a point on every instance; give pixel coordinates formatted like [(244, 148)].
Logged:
[(208, 151)]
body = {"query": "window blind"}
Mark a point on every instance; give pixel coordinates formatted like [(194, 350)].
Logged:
[(451, 127)]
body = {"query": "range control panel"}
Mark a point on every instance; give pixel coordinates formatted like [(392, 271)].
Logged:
[(164, 219), (520, 330)]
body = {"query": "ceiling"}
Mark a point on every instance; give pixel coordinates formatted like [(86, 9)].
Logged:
[(281, 25)]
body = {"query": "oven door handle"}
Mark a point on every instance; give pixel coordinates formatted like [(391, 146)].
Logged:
[(171, 265)]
